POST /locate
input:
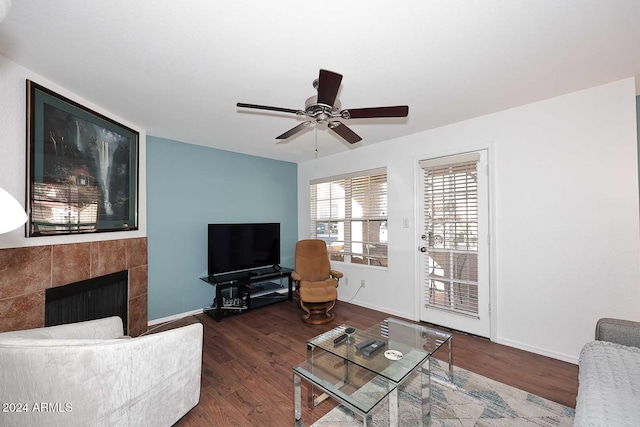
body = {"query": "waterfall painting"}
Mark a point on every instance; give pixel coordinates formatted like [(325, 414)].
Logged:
[(83, 168)]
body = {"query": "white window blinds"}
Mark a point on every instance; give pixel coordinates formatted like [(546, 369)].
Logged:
[(350, 214), (451, 222)]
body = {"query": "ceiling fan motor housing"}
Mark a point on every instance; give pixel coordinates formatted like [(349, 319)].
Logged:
[(321, 112)]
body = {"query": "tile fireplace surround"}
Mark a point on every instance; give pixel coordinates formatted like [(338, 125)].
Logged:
[(26, 272)]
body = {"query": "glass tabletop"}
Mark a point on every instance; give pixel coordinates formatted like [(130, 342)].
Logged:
[(352, 384), (409, 346)]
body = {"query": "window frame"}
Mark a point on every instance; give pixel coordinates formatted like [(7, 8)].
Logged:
[(334, 205)]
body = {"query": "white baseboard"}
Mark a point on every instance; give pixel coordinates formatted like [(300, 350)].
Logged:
[(382, 309), (174, 317), (507, 342), (538, 350)]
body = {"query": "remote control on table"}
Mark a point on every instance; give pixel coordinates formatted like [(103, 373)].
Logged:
[(364, 344), (339, 339), (368, 351)]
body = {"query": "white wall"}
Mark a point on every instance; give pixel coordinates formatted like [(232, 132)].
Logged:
[(13, 152), (565, 218)]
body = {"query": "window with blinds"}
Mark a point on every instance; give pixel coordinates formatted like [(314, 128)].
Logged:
[(350, 214), (451, 222)]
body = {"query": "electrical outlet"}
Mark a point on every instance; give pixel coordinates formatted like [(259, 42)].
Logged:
[(362, 283)]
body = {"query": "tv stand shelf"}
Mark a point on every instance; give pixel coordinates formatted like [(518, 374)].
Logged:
[(252, 289)]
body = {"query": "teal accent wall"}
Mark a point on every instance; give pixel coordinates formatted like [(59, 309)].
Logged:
[(190, 186)]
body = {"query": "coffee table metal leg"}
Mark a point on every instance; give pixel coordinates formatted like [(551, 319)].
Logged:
[(425, 381), (393, 407), (311, 391), (297, 400), (451, 359)]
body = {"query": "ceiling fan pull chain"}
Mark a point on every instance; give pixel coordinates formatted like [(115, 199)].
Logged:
[(316, 142)]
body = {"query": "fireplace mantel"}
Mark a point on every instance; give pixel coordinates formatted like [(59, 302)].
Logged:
[(25, 274)]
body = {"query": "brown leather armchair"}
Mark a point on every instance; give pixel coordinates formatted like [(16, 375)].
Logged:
[(316, 284)]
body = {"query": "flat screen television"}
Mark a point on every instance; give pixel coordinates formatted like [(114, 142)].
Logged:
[(236, 247)]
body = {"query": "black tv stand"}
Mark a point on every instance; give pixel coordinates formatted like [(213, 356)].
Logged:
[(248, 290)]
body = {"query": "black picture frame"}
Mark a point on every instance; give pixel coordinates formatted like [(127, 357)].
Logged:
[(82, 168)]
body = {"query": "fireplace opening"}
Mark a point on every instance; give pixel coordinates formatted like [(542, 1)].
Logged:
[(90, 299)]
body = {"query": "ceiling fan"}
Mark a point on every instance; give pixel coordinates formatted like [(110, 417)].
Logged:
[(325, 108)]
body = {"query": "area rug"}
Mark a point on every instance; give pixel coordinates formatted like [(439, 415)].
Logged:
[(470, 401)]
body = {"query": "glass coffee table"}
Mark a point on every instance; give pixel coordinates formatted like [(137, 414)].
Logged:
[(360, 379)]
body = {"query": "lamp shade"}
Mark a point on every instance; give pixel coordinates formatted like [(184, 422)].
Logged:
[(5, 5), (12, 215)]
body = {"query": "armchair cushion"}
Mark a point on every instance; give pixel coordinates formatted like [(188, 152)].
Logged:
[(319, 291), (312, 260), (110, 327)]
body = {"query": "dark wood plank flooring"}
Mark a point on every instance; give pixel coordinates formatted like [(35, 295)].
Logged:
[(247, 361)]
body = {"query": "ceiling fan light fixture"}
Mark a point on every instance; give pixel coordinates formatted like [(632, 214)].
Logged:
[(321, 112)]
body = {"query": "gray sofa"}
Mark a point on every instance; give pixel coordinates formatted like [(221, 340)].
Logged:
[(89, 374), (609, 378)]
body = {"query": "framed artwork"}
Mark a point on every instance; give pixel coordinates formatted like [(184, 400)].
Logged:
[(82, 172)]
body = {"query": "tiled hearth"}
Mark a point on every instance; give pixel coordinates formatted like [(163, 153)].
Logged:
[(26, 272)]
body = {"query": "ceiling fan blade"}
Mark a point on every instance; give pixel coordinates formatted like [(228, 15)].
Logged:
[(347, 134), (266, 107), (294, 130), (370, 113), (328, 85)]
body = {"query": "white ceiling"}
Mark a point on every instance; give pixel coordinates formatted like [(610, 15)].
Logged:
[(177, 69)]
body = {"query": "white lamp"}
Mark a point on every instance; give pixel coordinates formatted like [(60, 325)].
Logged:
[(5, 5), (12, 215)]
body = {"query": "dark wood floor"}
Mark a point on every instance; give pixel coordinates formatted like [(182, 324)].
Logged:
[(247, 361)]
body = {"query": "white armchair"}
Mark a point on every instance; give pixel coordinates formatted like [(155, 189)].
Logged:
[(89, 374)]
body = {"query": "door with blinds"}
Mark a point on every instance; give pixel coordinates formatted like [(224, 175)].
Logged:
[(454, 246)]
